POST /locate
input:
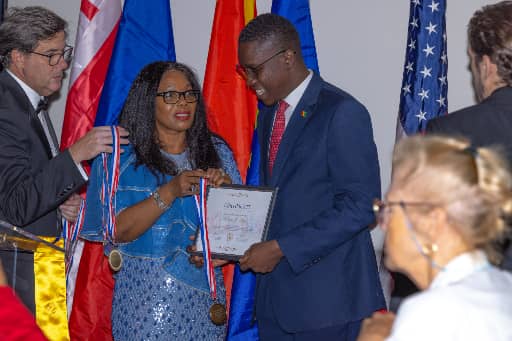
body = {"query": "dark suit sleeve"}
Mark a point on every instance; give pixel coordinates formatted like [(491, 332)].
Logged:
[(25, 194), (355, 179)]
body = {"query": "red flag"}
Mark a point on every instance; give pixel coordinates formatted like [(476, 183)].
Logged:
[(231, 105), (97, 29)]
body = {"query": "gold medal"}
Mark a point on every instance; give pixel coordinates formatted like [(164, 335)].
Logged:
[(115, 260), (218, 314)]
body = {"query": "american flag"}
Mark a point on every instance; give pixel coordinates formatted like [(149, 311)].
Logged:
[(424, 86)]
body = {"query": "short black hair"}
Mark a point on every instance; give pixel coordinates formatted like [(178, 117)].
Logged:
[(272, 27)]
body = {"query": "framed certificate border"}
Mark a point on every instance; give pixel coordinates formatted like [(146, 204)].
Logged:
[(221, 212)]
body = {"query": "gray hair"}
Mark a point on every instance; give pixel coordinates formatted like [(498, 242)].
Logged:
[(24, 28)]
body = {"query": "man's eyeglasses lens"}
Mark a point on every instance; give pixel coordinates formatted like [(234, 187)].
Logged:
[(252, 71), (54, 58), (173, 97)]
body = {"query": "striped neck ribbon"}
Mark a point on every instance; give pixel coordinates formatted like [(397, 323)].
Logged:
[(110, 181), (205, 242), (70, 234)]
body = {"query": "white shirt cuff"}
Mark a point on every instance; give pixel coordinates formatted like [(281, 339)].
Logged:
[(82, 171)]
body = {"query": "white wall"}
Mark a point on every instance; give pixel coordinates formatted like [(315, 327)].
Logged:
[(360, 46)]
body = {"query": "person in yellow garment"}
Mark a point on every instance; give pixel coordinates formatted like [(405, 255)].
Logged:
[(37, 183)]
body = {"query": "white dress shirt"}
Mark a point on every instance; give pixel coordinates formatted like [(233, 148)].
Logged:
[(469, 300), (294, 97)]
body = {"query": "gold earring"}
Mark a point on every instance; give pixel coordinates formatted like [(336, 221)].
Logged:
[(430, 249)]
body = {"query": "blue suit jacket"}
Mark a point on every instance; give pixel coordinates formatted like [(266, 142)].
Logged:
[(327, 174)]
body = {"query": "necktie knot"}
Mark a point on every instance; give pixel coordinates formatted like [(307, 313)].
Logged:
[(42, 105), (281, 108)]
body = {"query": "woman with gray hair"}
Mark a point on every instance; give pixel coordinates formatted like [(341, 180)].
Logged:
[(447, 206)]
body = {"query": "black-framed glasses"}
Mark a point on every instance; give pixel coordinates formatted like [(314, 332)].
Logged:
[(54, 57), (381, 209), (252, 71), (173, 97)]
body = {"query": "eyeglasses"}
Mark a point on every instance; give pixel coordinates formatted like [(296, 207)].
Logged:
[(173, 97), (381, 209), (252, 71), (54, 58)]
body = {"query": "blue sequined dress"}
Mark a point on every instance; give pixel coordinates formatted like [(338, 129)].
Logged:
[(158, 294)]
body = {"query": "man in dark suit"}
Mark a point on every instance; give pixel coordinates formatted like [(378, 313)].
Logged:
[(37, 183), (317, 272), (490, 52)]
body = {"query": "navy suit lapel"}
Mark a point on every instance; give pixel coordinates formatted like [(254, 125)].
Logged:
[(295, 126)]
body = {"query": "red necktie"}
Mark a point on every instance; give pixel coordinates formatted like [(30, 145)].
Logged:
[(277, 133)]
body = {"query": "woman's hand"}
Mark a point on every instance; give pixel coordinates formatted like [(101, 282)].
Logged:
[(198, 261), (217, 177), (377, 327), (185, 183)]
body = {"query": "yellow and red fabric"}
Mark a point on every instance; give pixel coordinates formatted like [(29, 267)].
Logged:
[(231, 105)]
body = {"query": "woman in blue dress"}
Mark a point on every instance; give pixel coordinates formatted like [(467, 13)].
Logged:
[(158, 293)]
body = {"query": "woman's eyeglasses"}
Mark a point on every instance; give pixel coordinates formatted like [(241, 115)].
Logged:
[(173, 97), (382, 209)]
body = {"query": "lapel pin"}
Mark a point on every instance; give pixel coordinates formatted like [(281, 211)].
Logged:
[(303, 114)]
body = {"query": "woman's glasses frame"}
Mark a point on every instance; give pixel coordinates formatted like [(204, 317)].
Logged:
[(382, 210), (173, 97)]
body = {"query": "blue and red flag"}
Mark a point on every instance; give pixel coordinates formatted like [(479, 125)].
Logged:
[(144, 35), (425, 85)]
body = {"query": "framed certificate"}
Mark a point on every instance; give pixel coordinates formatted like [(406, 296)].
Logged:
[(237, 217)]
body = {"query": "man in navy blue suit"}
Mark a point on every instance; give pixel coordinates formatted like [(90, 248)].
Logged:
[(317, 272)]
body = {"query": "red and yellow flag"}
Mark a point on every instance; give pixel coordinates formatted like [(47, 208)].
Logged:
[(231, 104)]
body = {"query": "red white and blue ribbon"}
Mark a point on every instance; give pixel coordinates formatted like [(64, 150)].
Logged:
[(70, 232), (110, 181), (205, 242)]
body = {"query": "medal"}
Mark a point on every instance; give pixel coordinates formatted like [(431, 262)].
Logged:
[(218, 314), (115, 260)]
